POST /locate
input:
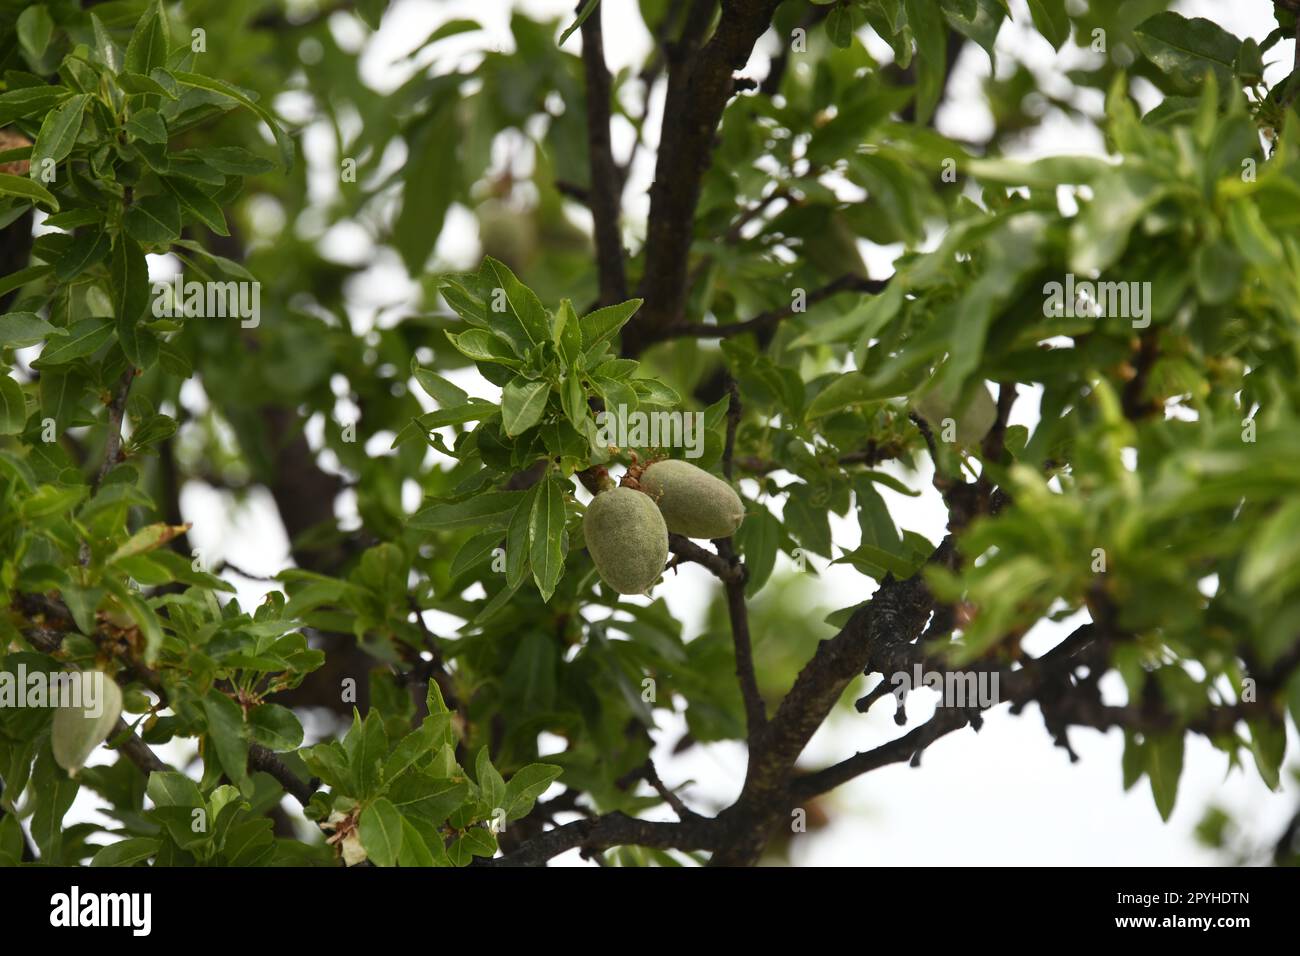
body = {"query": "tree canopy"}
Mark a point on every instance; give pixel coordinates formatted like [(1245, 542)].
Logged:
[(229, 259)]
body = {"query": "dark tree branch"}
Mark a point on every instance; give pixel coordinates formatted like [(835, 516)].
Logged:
[(688, 550), (737, 609), (613, 829), (700, 84), (605, 196), (1135, 404)]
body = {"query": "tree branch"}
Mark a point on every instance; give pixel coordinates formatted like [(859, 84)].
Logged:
[(688, 550), (605, 196), (699, 86), (113, 438), (613, 829)]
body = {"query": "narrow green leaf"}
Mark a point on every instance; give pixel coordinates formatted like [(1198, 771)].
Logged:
[(58, 134), (242, 98), (546, 535), (23, 188)]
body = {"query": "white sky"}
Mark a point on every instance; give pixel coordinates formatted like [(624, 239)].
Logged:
[(1004, 796)]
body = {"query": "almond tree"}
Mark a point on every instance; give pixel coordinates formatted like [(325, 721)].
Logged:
[(1142, 307)]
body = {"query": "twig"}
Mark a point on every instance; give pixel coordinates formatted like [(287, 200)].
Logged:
[(688, 550), (116, 412), (651, 776)]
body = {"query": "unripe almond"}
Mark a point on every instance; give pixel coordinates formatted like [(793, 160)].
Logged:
[(75, 732), (693, 502), (627, 539)]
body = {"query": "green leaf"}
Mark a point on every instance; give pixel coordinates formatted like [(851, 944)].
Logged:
[(126, 852), (147, 48), (20, 329), (26, 100), (154, 220), (58, 134), (518, 552), (130, 274), (1185, 48), (839, 27), (1051, 20), (490, 508), (147, 539), (25, 188), (546, 536), (522, 404), (415, 849), (429, 185), (138, 83), (526, 786), (198, 204), (1164, 766), (87, 249), (13, 406), (534, 323), (808, 521), (566, 333), (476, 841), (446, 394), (492, 786), (427, 796), (603, 324), (380, 829), (1268, 745), (851, 388), (759, 538), (275, 727), (482, 346), (1273, 553), (239, 96), (366, 745), (172, 789), (925, 19), (34, 30), (83, 338), (147, 125), (588, 8), (226, 733)]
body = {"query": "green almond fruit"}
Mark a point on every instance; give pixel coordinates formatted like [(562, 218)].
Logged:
[(693, 502), (75, 733), (627, 538)]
